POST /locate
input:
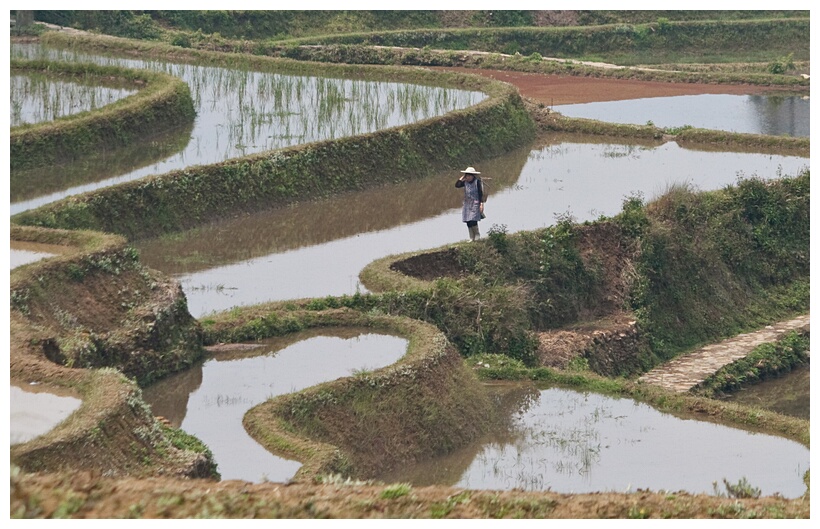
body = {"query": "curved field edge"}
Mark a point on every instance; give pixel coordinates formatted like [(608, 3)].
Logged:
[(425, 404), (189, 197), (772, 35), (54, 341), (162, 102), (558, 50), (688, 137), (348, 426)]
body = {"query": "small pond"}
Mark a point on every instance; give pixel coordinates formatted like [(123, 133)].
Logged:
[(569, 441), (210, 399), (753, 114), (35, 411)]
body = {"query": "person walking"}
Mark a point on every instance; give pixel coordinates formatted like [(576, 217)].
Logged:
[(472, 208)]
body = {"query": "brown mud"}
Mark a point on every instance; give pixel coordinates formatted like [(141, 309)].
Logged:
[(568, 90)]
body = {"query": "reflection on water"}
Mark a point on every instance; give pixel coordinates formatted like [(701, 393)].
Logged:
[(573, 442), (788, 394), (318, 222), (21, 257), (34, 413), (47, 184), (24, 252), (240, 112), (527, 188), (210, 400), (37, 98), (753, 114)]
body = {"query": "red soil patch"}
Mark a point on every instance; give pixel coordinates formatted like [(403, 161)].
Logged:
[(566, 90)]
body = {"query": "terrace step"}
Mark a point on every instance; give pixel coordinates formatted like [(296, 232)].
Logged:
[(684, 372)]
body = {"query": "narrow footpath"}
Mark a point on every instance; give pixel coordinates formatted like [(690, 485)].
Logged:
[(684, 372)]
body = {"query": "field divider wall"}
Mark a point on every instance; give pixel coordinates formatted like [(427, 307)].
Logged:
[(162, 102), (186, 198)]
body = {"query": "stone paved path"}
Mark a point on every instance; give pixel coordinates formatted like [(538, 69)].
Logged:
[(682, 373)]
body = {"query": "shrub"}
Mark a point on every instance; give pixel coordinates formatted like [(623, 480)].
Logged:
[(782, 65)]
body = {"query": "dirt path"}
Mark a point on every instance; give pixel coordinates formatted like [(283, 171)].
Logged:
[(565, 90)]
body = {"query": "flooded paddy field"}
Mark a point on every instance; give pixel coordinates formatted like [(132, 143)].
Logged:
[(788, 394), (210, 399), (774, 115), (317, 249), (570, 441), (241, 112), (29, 252), (33, 412), (37, 98)]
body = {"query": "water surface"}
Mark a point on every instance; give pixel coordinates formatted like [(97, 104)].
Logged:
[(318, 249), (240, 112), (34, 411), (37, 98), (210, 399), (753, 114), (788, 394), (25, 252), (569, 441)]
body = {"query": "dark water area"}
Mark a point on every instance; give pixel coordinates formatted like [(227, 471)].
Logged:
[(319, 248), (210, 399), (788, 394), (109, 165), (569, 441), (753, 114), (240, 112)]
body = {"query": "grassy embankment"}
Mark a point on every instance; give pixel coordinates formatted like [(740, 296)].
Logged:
[(78, 321), (162, 102)]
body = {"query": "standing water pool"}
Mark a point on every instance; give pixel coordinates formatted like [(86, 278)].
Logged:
[(569, 441), (752, 114), (210, 400)]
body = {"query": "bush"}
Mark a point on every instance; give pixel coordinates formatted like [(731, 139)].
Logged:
[(782, 65)]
